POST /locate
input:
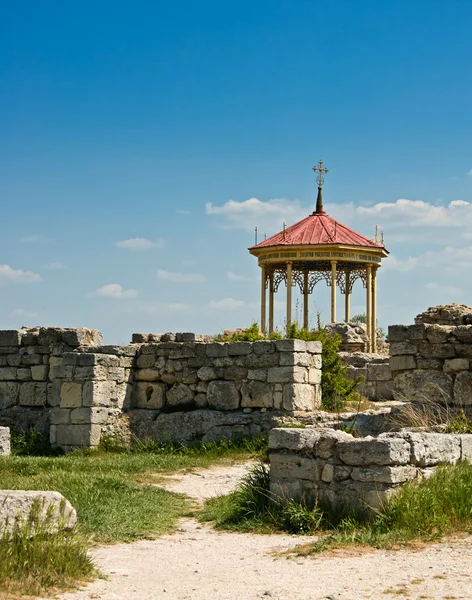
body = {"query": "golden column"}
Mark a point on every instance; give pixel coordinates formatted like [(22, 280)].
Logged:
[(369, 307), (305, 300), (333, 291), (347, 299), (374, 311), (271, 302), (263, 299), (289, 295)]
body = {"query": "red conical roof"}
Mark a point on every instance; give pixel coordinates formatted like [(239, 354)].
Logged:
[(318, 228)]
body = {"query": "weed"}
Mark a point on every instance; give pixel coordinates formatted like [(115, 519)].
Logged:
[(31, 442)]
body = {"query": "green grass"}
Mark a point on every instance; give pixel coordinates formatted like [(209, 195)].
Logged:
[(425, 511)]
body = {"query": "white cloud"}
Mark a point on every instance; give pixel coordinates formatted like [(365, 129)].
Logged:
[(55, 266), (178, 306), (227, 304), (397, 264), (451, 290), (36, 239), (21, 312), (139, 244), (9, 275), (115, 290), (268, 216), (176, 277), (469, 172), (182, 211)]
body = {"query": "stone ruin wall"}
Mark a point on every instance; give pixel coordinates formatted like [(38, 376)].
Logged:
[(335, 467), (188, 389)]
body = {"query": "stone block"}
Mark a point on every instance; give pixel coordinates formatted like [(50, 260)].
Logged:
[(16, 506), (61, 371), (7, 373), (293, 466), (463, 350), (290, 345), (295, 440), (435, 364), (148, 375), (316, 361), (223, 395), (97, 373), (327, 474), (371, 451), (257, 374), (301, 359), (463, 333), (314, 376), (405, 333), (384, 390), (9, 391), (325, 446), (262, 361), (81, 436), (421, 386), (150, 395), (31, 359), (399, 348), (146, 361), (385, 474), (82, 337), (239, 348), (39, 372), (402, 362), (33, 393), (13, 360), (263, 347), (377, 372), (207, 374), (300, 396), (438, 334), (455, 365), (10, 337), (466, 447), (314, 347), (287, 375), (463, 389), (60, 416), (201, 400), (257, 394), (234, 373), (71, 395), (4, 443), (217, 350), (428, 350), (95, 415), (179, 395)]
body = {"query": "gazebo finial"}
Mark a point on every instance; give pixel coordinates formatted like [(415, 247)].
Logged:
[(320, 179)]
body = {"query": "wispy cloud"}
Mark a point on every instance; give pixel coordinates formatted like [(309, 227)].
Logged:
[(36, 239), (182, 211), (27, 314), (178, 306), (55, 266), (10, 275), (469, 172), (235, 277), (139, 244), (450, 290), (227, 304), (115, 290), (176, 277)]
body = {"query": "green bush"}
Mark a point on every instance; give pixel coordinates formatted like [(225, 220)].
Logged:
[(32, 443)]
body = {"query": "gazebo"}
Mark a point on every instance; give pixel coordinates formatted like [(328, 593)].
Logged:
[(319, 248)]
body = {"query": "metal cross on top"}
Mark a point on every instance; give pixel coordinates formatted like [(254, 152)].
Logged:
[(321, 170)]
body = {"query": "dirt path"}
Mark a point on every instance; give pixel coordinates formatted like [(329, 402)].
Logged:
[(199, 563)]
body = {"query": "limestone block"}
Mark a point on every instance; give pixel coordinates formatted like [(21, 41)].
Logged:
[(314, 347), (3, 361), (402, 362), (207, 374), (371, 451), (147, 375), (398, 348), (39, 372), (89, 415), (145, 361), (418, 386), (455, 365), (4, 443), (179, 394), (325, 446), (341, 473), (7, 374), (463, 333), (61, 371), (8, 394), (384, 390), (290, 345), (263, 347), (463, 389), (31, 359), (33, 394), (287, 375), (438, 334), (106, 393), (376, 497), (293, 466), (377, 372), (466, 447), (201, 400), (82, 337), (257, 394), (235, 373), (384, 474), (440, 448), (463, 350), (301, 396), (71, 395), (60, 416), (257, 374), (223, 395), (405, 333), (301, 359), (278, 399), (314, 376), (316, 361), (54, 510), (429, 363), (13, 360), (327, 475), (262, 361), (10, 337), (82, 436), (54, 392), (202, 387), (223, 362), (429, 350), (189, 376), (239, 348), (217, 350), (116, 374)]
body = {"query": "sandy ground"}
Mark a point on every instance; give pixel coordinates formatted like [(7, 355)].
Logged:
[(199, 563)]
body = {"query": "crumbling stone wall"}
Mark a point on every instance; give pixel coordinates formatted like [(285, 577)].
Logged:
[(28, 358), (338, 468), (375, 370)]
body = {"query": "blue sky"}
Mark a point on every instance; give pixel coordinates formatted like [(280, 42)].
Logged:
[(131, 121)]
